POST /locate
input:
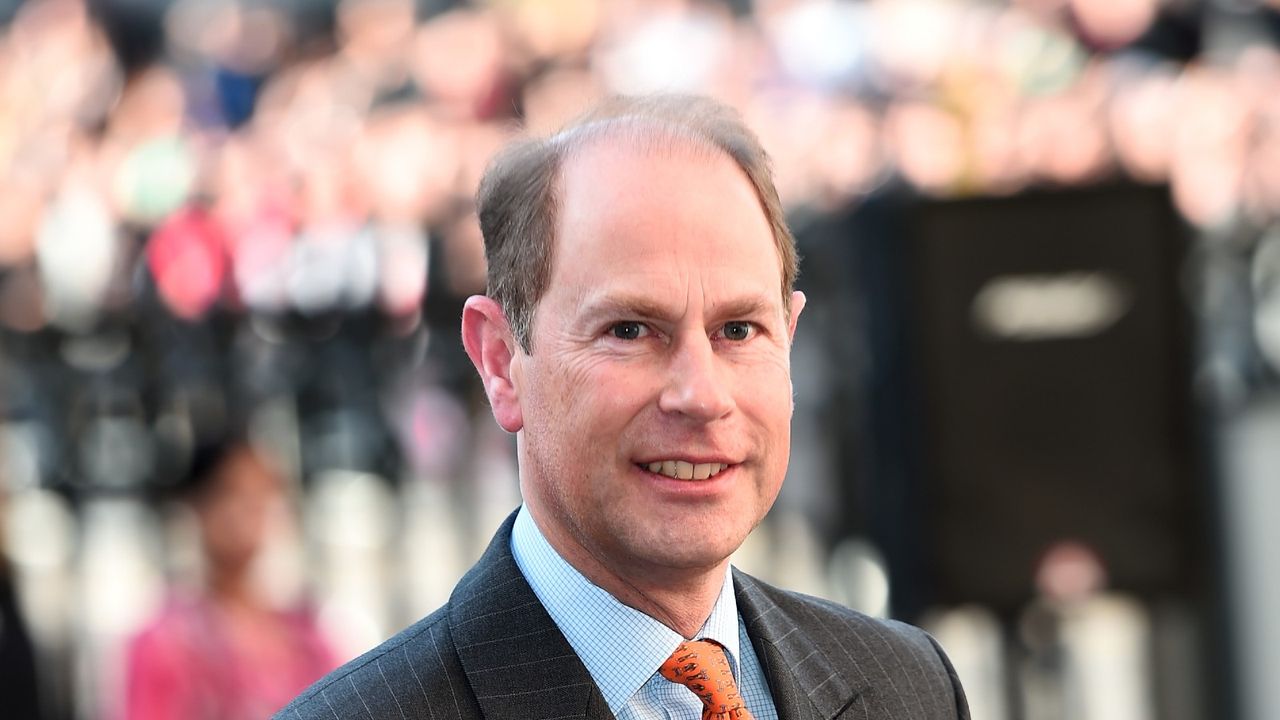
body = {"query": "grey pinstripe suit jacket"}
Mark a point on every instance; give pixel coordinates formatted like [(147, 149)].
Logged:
[(493, 652)]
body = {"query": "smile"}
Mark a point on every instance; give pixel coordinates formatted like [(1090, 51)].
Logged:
[(683, 470)]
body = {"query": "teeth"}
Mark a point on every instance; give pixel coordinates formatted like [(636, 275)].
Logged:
[(683, 470)]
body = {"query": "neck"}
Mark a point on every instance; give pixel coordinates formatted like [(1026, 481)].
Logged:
[(683, 609), (232, 589), (680, 598)]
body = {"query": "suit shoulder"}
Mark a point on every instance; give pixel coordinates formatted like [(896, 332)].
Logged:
[(895, 649), (837, 619), (415, 673), (896, 664), (840, 619)]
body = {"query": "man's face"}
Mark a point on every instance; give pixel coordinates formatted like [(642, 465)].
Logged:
[(660, 347)]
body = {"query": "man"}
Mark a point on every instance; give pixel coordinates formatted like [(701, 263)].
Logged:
[(635, 338)]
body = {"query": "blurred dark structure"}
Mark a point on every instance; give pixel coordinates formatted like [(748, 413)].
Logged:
[(1030, 387), (1049, 342)]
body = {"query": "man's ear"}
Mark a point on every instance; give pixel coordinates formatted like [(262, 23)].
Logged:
[(492, 349), (797, 304)]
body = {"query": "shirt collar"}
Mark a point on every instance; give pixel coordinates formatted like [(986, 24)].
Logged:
[(620, 646)]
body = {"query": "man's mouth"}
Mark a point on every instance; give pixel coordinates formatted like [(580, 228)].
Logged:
[(684, 470)]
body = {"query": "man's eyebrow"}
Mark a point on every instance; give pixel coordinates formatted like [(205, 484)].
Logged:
[(640, 307), (625, 306), (744, 307)]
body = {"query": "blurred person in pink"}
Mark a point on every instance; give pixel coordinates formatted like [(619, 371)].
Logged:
[(225, 652)]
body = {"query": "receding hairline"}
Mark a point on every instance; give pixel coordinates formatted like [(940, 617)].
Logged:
[(650, 136), (522, 192), (643, 133)]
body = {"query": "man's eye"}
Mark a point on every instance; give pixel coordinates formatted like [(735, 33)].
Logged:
[(737, 330), (629, 330)]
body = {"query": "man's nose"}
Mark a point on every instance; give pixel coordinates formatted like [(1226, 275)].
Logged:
[(696, 387)]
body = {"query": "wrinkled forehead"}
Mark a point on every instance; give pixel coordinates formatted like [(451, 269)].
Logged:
[(606, 149), (644, 222), (606, 174), (601, 149)]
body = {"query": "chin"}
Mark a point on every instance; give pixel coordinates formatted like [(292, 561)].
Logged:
[(688, 556)]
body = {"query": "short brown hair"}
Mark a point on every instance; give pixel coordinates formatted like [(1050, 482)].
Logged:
[(518, 199)]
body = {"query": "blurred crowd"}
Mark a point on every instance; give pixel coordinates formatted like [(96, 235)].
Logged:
[(258, 214), (170, 165)]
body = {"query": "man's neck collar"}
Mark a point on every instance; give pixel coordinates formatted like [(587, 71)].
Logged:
[(679, 599), (620, 646)]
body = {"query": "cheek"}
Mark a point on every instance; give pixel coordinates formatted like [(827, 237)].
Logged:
[(764, 385), (586, 398)]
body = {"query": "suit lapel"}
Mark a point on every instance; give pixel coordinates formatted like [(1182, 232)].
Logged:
[(805, 684), (521, 667), (518, 663)]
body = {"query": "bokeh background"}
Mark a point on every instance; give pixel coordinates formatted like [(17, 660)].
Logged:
[(1038, 406)]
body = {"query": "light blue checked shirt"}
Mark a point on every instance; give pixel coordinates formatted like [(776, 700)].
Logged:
[(622, 647)]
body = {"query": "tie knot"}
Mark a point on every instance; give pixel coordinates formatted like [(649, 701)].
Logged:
[(703, 667)]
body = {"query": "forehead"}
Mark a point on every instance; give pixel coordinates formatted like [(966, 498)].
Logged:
[(657, 214), (635, 163), (243, 469)]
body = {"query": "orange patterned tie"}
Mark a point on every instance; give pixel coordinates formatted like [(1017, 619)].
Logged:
[(703, 667)]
